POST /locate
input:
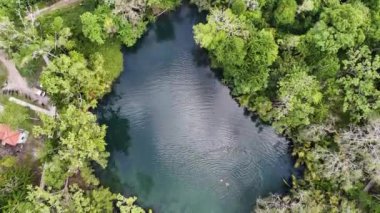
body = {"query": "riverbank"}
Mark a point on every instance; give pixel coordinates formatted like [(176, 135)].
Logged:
[(173, 127), (76, 76), (278, 65)]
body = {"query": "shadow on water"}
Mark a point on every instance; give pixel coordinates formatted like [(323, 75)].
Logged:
[(118, 140), (200, 57), (117, 133), (145, 183), (117, 126), (164, 29), (110, 177), (117, 137)]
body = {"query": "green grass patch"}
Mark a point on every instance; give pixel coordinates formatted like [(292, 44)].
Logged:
[(70, 15), (111, 51), (3, 74), (16, 116)]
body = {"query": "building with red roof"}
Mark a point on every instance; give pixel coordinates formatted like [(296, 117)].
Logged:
[(12, 137)]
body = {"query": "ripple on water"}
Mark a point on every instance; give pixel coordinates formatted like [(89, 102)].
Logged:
[(192, 149)]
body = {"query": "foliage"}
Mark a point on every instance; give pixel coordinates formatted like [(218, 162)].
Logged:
[(126, 205), (74, 141), (3, 74), (92, 28), (78, 141), (74, 199), (285, 12), (299, 95), (28, 44), (359, 83), (311, 68), (73, 79), (16, 116), (163, 4), (14, 179)]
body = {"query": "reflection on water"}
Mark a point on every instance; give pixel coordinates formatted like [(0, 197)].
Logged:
[(177, 139)]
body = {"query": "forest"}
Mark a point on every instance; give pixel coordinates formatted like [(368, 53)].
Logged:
[(310, 68)]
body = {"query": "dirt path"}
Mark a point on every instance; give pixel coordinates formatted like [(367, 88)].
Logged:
[(55, 6), (15, 82)]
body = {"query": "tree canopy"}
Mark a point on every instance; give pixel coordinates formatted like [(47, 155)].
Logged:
[(311, 68)]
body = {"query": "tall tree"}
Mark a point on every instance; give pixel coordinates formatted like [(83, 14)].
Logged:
[(70, 79), (75, 140), (359, 83), (91, 27)]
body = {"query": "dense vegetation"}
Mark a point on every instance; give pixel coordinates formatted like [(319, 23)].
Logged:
[(308, 67), (75, 54), (311, 68)]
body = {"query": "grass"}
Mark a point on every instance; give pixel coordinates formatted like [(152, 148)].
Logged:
[(16, 116), (111, 50), (70, 15), (3, 74)]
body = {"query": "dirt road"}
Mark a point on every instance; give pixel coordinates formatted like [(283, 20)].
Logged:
[(55, 6), (15, 82)]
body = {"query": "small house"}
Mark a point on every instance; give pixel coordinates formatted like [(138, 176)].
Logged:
[(12, 137)]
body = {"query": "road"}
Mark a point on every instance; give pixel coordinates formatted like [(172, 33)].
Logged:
[(55, 6), (15, 82)]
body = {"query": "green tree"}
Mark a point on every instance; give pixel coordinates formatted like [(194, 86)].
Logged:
[(340, 27), (92, 27), (76, 140), (14, 179), (70, 79), (285, 12), (359, 79), (163, 4), (298, 97), (238, 6), (74, 199)]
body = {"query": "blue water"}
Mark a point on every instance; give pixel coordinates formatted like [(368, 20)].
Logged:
[(178, 141)]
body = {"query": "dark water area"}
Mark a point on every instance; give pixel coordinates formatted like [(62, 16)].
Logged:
[(178, 141)]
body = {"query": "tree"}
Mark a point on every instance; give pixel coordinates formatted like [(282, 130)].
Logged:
[(74, 199), (285, 12), (163, 4), (362, 146), (70, 79), (340, 27), (299, 95), (126, 205), (262, 52), (76, 140), (202, 4), (14, 179), (131, 11), (27, 44), (91, 27), (309, 200), (358, 81), (129, 33), (238, 7)]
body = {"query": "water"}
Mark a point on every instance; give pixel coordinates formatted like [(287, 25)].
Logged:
[(177, 139)]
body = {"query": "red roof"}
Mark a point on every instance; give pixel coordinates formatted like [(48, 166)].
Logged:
[(8, 136)]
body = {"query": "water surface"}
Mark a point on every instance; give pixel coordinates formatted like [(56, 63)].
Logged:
[(177, 139)]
